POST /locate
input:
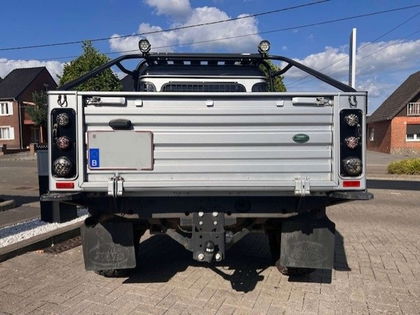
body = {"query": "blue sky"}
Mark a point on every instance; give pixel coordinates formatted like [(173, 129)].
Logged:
[(382, 64)]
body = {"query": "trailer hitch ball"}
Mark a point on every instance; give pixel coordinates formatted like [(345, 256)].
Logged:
[(209, 247)]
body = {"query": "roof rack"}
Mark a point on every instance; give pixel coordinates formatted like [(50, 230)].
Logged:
[(196, 58)]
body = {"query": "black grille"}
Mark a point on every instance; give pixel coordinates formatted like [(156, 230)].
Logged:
[(203, 87)]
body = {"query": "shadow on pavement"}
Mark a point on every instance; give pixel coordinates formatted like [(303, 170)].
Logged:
[(20, 200), (393, 184), (160, 258)]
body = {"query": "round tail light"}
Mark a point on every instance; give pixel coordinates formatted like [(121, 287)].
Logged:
[(352, 142), (63, 142), (62, 166), (63, 119), (352, 166), (351, 120)]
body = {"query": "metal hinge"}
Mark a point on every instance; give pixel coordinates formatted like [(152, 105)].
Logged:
[(115, 186), (302, 186)]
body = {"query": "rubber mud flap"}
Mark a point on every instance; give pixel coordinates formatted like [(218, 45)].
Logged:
[(307, 242), (108, 245)]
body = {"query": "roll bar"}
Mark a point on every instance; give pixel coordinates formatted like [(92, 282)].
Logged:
[(196, 58)]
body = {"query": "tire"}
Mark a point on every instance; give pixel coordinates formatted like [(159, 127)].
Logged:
[(274, 240), (114, 273)]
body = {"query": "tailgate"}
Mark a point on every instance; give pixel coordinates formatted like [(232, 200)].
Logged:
[(209, 142)]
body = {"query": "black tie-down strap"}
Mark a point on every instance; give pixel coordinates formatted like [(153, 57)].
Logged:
[(208, 237)]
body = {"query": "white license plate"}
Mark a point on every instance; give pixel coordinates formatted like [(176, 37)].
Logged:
[(120, 149)]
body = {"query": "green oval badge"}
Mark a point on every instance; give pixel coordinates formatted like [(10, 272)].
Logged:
[(300, 138)]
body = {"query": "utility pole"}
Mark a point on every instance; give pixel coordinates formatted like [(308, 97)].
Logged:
[(352, 58)]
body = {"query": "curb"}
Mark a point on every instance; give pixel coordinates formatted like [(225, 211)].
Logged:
[(7, 204), (40, 241), (406, 178)]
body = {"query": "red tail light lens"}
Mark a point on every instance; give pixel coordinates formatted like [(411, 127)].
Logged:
[(64, 185), (351, 183)]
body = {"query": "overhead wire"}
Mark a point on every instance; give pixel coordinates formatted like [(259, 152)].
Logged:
[(260, 33), (303, 79), (183, 27)]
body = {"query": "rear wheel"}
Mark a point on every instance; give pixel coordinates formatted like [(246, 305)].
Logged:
[(274, 240)]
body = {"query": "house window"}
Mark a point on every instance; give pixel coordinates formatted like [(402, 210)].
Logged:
[(413, 109), (6, 108), (7, 133), (413, 133), (371, 134)]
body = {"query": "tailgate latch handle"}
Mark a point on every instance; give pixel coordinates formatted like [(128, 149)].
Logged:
[(121, 124), (116, 186)]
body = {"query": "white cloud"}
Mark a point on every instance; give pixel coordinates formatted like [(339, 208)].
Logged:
[(381, 68), (372, 58), (389, 56), (200, 38), (54, 67), (174, 8)]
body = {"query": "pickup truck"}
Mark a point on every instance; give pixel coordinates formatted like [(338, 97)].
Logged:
[(202, 150)]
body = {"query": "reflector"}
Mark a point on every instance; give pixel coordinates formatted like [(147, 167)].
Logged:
[(64, 185), (351, 183)]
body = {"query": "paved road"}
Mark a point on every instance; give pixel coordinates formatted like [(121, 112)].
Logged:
[(19, 181), (377, 270)]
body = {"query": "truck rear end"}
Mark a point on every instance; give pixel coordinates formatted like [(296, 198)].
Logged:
[(206, 158)]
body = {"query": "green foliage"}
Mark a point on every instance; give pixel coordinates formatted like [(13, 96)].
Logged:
[(38, 112), (278, 85), (408, 167), (89, 60)]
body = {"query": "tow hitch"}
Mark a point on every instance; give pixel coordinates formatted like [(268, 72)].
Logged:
[(208, 236)]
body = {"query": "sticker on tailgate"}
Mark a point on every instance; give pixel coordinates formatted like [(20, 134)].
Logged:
[(94, 157)]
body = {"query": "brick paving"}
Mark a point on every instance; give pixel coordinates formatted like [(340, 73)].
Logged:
[(377, 270)]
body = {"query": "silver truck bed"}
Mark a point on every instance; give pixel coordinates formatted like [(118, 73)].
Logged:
[(230, 142)]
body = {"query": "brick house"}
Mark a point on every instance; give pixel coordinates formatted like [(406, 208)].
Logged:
[(395, 126), (17, 130)]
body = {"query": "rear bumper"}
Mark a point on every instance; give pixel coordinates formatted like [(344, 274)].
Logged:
[(245, 205)]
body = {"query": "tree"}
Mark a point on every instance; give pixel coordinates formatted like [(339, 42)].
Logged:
[(89, 60), (39, 111), (278, 85)]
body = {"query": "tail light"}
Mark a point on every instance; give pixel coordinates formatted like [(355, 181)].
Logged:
[(63, 144), (351, 142)]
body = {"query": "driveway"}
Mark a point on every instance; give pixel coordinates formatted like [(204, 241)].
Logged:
[(377, 270)]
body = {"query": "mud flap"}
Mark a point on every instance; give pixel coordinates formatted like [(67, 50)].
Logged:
[(108, 245), (308, 242)]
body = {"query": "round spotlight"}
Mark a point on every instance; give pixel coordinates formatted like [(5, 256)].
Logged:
[(63, 142), (351, 120), (264, 46), (144, 46), (352, 142), (62, 166), (352, 166), (62, 119)]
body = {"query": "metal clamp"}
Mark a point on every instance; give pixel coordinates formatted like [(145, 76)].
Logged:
[(115, 186), (302, 186)]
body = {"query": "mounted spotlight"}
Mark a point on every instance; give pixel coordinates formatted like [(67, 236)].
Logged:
[(144, 46), (264, 47)]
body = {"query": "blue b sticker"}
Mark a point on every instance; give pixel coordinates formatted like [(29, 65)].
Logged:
[(94, 158)]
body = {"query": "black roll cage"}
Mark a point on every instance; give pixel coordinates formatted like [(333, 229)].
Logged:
[(196, 58)]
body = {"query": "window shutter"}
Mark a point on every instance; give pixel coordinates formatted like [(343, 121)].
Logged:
[(12, 133)]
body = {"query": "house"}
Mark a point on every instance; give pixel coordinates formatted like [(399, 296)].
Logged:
[(17, 130), (395, 126)]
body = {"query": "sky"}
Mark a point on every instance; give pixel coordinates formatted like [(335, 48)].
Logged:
[(388, 44)]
